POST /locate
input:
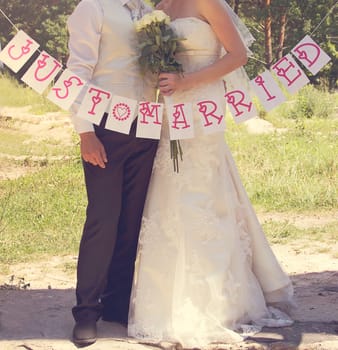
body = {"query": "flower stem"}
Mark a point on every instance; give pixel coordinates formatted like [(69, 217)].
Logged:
[(157, 95), (175, 151), (175, 145)]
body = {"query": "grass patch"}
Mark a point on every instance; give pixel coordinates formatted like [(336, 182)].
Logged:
[(293, 170), (14, 94), (285, 232), (317, 239), (16, 143), (69, 267), (309, 102), (42, 213), (12, 142), (26, 138)]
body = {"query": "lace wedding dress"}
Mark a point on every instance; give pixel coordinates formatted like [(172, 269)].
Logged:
[(205, 272)]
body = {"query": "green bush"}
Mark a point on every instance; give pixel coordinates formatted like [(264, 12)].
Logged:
[(309, 102)]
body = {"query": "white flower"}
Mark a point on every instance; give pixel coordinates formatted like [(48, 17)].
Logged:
[(138, 26), (152, 17), (147, 20), (160, 16)]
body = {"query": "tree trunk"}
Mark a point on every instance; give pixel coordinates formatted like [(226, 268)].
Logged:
[(268, 35), (281, 38), (236, 7)]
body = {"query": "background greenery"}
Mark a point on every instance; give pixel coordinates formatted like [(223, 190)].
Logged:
[(291, 20)]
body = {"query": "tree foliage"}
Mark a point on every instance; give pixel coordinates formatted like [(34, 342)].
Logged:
[(276, 24), (44, 21)]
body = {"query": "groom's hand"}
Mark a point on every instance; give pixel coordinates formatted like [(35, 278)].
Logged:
[(92, 150)]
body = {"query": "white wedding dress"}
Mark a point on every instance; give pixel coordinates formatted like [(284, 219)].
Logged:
[(204, 272)]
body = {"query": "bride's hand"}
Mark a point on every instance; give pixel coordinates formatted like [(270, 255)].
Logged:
[(171, 82)]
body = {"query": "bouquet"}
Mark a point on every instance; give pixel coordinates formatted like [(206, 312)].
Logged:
[(158, 47)]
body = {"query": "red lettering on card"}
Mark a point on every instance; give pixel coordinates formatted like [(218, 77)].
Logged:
[(150, 110), (236, 99), (179, 117), (286, 69), (304, 51), (67, 84), (42, 63), (96, 99), (261, 82), (208, 109), (24, 50)]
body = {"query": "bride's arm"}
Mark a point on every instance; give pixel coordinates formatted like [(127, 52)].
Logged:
[(215, 13)]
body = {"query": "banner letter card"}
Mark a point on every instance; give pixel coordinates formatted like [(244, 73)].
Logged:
[(94, 104), (241, 105), (180, 119), (18, 51), (311, 55), (211, 115), (290, 74), (149, 122), (41, 73), (66, 89), (267, 90), (122, 113)]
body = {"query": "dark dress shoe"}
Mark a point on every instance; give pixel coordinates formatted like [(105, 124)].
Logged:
[(84, 333)]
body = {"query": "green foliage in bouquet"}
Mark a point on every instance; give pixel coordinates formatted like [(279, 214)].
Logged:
[(158, 44)]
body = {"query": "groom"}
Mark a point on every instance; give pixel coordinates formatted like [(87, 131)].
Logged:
[(117, 167)]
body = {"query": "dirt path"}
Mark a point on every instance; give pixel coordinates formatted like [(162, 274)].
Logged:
[(54, 126), (36, 303)]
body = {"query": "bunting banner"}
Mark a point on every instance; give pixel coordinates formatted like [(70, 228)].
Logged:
[(42, 72), (122, 111), (66, 90), (310, 55), (149, 121), (18, 51), (212, 116), (180, 118), (241, 105), (121, 114), (94, 104), (267, 90)]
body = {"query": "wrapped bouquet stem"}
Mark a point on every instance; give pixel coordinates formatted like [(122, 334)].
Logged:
[(158, 47), (176, 153)]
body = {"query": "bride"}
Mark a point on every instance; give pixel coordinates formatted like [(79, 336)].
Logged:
[(205, 272)]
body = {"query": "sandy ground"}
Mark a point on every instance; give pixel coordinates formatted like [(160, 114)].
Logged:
[(36, 298)]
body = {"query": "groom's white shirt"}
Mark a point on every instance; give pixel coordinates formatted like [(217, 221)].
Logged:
[(103, 51)]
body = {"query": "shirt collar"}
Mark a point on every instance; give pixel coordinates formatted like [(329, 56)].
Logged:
[(124, 2)]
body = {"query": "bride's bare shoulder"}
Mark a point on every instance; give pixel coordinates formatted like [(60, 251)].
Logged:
[(214, 11), (210, 6)]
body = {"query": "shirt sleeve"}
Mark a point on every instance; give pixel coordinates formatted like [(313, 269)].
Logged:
[(84, 27)]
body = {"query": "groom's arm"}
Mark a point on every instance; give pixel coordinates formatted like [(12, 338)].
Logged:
[(84, 26)]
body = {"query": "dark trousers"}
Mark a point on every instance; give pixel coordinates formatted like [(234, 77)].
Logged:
[(116, 197)]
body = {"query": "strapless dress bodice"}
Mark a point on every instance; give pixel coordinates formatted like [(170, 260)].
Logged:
[(200, 45)]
